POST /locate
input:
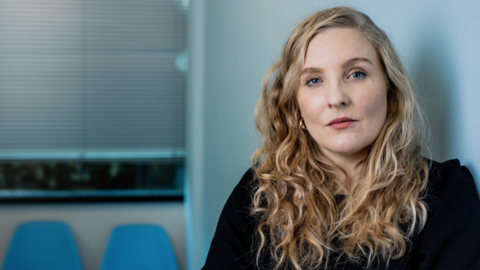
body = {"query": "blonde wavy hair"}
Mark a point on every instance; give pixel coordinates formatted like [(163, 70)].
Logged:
[(300, 223)]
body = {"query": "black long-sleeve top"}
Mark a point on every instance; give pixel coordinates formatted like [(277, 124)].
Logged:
[(449, 240)]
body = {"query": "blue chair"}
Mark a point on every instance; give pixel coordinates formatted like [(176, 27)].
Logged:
[(42, 245), (139, 247)]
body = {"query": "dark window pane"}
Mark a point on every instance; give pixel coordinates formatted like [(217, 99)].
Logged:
[(54, 179)]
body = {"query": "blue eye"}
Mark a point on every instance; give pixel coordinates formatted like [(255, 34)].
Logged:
[(313, 81), (357, 75)]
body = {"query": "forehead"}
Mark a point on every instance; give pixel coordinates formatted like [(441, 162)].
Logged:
[(335, 46)]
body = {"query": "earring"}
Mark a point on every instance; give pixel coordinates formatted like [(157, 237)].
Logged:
[(302, 124)]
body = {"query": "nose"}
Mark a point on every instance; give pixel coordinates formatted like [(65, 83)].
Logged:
[(336, 95)]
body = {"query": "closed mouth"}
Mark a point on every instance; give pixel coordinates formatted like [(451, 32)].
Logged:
[(341, 120)]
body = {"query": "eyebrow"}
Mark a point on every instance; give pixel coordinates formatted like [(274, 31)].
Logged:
[(346, 64), (356, 60), (310, 70)]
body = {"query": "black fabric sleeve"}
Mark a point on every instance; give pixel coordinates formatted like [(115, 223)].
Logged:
[(451, 237), (231, 247)]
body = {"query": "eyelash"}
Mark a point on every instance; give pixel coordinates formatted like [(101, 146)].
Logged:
[(358, 72), (309, 80), (363, 75)]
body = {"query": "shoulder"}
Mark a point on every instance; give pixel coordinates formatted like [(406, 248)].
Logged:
[(450, 169), (242, 193), (231, 247), (449, 180), (450, 237), (246, 183), (237, 207)]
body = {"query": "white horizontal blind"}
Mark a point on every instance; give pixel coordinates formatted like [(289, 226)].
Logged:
[(91, 78)]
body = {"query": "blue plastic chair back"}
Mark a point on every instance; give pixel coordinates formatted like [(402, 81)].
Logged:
[(42, 245), (139, 247)]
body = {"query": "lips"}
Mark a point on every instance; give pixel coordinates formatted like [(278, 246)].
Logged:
[(341, 123)]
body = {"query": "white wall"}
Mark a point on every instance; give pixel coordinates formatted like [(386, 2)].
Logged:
[(438, 40), (92, 224)]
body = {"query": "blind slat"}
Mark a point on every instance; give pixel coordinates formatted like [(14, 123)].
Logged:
[(79, 76)]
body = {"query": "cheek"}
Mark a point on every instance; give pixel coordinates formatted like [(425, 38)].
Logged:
[(305, 105), (310, 105), (375, 106)]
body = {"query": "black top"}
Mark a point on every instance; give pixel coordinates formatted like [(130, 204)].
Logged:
[(449, 240)]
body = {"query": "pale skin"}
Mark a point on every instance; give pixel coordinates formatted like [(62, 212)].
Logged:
[(343, 79)]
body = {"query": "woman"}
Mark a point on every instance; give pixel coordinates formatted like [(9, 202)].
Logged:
[(338, 182)]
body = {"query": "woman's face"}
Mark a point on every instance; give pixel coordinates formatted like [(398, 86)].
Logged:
[(342, 93)]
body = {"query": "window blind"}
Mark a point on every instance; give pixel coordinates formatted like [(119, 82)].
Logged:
[(92, 79)]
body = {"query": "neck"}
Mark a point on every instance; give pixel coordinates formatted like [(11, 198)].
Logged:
[(347, 163)]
